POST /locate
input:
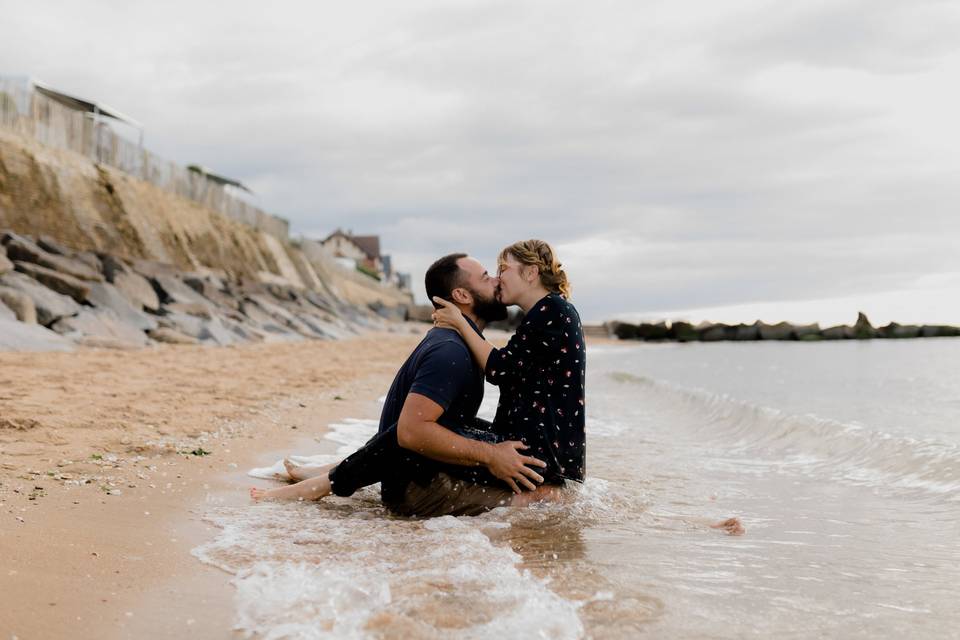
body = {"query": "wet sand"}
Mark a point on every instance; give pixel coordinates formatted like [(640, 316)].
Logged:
[(106, 459)]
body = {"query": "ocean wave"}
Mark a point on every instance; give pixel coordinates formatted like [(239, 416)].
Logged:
[(842, 451)]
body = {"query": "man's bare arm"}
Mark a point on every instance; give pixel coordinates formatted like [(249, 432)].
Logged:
[(419, 431)]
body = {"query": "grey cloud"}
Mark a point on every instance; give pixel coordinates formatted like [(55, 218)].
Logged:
[(469, 126), (884, 36)]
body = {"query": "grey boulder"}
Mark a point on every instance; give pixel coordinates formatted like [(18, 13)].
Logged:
[(59, 282), (50, 305), (90, 259), (25, 250), (52, 246), (171, 336), (18, 336), (20, 304), (131, 284), (172, 289), (104, 295), (6, 313), (5, 264), (100, 323), (137, 289)]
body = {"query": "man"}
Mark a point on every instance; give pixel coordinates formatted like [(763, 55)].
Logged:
[(431, 454)]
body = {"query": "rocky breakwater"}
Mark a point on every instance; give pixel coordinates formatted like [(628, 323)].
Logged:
[(862, 329), (53, 298)]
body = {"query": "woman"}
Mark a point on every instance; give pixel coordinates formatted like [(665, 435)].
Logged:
[(540, 372)]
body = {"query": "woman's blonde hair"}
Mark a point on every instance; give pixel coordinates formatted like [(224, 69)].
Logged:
[(541, 255)]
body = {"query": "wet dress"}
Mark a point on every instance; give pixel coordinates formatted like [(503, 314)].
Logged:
[(541, 373)]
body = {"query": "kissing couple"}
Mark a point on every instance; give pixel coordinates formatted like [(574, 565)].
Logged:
[(432, 455)]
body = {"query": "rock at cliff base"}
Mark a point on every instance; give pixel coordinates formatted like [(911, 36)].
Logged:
[(182, 322), (102, 323), (25, 250), (18, 336), (262, 309), (104, 295), (5, 264), (90, 259), (171, 336), (320, 328), (152, 268), (20, 304), (137, 289), (106, 342), (52, 246), (215, 331), (201, 310), (50, 305), (6, 313), (172, 289), (59, 282), (214, 289)]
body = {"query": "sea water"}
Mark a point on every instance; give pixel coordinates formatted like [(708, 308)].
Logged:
[(842, 459)]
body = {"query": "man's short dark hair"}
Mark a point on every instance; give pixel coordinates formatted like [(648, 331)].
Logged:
[(444, 276)]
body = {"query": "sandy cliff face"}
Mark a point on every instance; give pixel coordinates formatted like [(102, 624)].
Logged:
[(57, 193), (61, 194)]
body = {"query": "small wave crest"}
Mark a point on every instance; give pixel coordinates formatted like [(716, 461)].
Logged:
[(842, 451)]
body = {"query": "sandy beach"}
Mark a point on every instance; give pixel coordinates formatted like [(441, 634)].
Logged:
[(124, 511), (105, 456)]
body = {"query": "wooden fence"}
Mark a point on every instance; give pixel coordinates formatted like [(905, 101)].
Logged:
[(51, 123)]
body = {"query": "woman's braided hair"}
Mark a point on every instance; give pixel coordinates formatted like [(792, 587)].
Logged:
[(541, 255)]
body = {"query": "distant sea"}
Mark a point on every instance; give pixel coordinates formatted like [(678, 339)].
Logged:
[(841, 458), (934, 300)]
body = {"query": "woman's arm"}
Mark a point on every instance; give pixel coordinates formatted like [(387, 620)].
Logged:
[(534, 344)]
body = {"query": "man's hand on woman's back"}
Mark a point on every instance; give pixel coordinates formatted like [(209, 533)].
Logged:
[(507, 463)]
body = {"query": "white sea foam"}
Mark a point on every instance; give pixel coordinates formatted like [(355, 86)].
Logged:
[(346, 570), (350, 434)]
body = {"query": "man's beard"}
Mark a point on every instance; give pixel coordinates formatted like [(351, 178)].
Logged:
[(488, 309)]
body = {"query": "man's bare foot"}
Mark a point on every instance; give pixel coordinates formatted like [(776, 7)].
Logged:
[(730, 526), (293, 470), (298, 472), (309, 489)]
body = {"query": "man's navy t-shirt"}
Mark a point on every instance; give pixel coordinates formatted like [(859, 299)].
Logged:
[(441, 369)]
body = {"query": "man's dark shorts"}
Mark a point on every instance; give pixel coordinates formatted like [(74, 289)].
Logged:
[(449, 496)]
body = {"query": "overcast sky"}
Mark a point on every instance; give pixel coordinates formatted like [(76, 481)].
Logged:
[(681, 155)]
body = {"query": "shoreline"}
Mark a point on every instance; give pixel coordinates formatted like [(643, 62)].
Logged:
[(112, 558)]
